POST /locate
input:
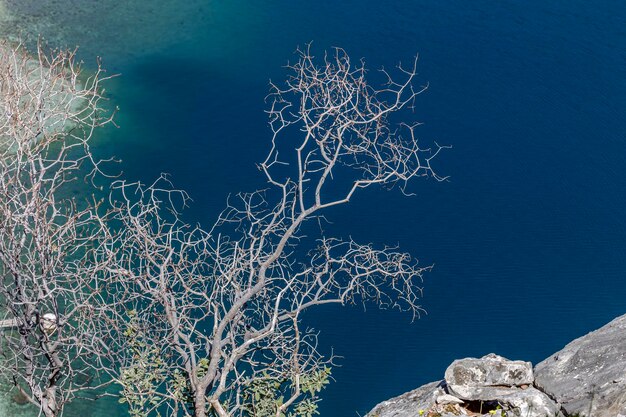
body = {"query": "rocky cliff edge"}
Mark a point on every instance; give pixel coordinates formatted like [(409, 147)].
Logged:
[(586, 378)]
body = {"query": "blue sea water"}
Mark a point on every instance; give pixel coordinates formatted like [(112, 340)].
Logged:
[(528, 237)]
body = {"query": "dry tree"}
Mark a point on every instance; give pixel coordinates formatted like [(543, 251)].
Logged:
[(209, 322), (49, 110)]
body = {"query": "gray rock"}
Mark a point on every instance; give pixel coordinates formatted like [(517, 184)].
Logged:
[(588, 376), (487, 378), (528, 403), (448, 399), (410, 404)]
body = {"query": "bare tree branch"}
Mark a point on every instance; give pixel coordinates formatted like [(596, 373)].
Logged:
[(49, 110), (220, 310)]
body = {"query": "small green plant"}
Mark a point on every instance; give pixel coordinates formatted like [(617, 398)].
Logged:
[(265, 396), (140, 381)]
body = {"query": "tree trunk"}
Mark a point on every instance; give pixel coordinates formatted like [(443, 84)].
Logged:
[(200, 405), (49, 402)]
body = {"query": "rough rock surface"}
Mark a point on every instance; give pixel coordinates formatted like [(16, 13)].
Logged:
[(448, 399), (409, 404), (487, 378), (529, 402), (588, 376)]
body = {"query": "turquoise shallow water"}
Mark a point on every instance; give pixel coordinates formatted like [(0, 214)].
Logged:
[(528, 237)]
